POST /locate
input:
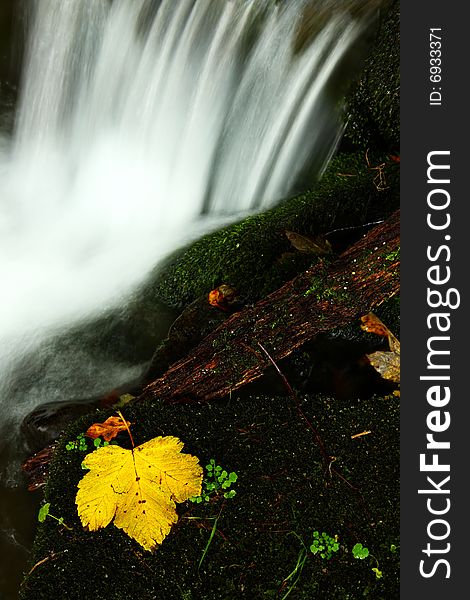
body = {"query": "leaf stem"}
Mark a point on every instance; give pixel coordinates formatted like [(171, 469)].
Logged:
[(127, 427)]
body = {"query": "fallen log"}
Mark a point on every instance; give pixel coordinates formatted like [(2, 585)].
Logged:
[(326, 296)]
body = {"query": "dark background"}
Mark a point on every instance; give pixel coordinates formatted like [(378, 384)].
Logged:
[(423, 129)]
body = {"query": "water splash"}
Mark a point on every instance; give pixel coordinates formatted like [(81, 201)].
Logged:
[(142, 124)]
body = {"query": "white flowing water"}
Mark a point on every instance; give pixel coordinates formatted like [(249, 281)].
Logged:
[(141, 125)]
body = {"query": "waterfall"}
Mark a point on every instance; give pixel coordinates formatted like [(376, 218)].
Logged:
[(141, 125)]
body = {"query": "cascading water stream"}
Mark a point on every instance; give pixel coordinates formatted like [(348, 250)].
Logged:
[(141, 125)]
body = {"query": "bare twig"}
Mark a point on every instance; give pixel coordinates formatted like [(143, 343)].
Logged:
[(357, 435), (51, 556)]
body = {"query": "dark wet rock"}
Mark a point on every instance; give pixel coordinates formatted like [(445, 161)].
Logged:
[(337, 366), (373, 103), (335, 363), (48, 421), (36, 467), (10, 62), (193, 325)]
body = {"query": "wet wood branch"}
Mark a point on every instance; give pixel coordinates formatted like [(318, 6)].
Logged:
[(327, 296)]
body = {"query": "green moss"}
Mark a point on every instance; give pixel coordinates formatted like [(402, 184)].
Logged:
[(324, 292), (255, 256), (283, 489), (393, 256)]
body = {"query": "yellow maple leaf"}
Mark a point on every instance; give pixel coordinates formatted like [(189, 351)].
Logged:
[(138, 488)]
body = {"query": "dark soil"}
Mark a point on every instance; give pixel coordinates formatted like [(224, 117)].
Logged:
[(285, 492)]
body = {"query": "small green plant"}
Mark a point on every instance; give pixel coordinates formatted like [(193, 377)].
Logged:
[(216, 480), (359, 551), (98, 443), (80, 443), (378, 572), (44, 513), (289, 582), (211, 537), (324, 545)]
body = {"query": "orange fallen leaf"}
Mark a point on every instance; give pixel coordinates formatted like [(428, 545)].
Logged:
[(223, 297), (387, 364), (373, 324), (107, 430)]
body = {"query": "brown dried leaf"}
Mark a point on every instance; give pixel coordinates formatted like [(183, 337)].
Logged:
[(387, 364), (107, 430), (317, 245), (373, 324)]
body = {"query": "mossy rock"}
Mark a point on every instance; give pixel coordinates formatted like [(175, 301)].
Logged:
[(373, 103), (9, 65), (254, 255), (285, 492)]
